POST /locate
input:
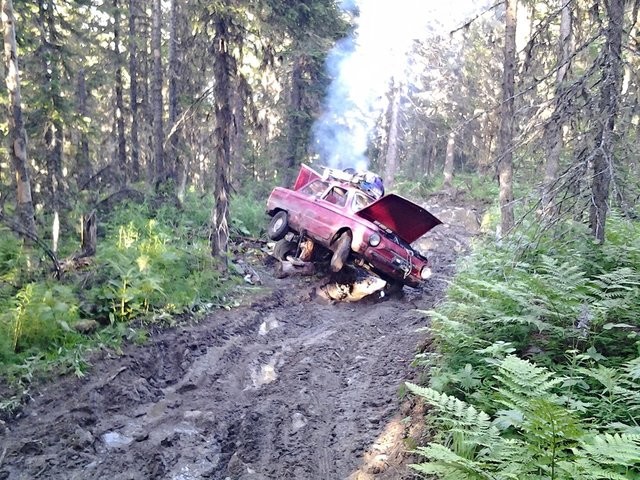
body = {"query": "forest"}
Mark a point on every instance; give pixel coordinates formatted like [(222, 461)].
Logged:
[(141, 138)]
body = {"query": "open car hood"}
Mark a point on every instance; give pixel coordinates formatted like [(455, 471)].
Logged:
[(408, 220)]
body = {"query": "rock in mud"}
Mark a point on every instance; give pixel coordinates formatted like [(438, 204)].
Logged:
[(86, 327), (81, 439), (116, 440), (298, 421), (269, 324)]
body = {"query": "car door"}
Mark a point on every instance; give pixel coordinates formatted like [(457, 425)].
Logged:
[(326, 215)]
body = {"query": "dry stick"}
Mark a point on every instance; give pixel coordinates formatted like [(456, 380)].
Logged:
[(113, 377), (185, 114), (4, 452)]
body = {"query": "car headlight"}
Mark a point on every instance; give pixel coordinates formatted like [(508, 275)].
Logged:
[(374, 240), (425, 272)]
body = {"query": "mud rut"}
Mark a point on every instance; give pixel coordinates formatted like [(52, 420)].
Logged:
[(285, 388)]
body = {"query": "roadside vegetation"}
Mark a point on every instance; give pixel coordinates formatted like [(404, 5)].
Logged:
[(153, 266), (535, 368)]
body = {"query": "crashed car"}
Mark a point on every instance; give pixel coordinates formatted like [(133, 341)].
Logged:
[(352, 223)]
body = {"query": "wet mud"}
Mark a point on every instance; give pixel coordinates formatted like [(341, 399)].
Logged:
[(288, 386)]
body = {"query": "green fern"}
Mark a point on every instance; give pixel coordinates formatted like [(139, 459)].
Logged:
[(520, 382), (613, 450)]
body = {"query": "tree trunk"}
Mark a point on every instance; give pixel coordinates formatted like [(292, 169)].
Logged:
[(50, 58), (448, 161), (17, 134), (133, 92), (145, 117), (83, 164), (295, 122), (609, 101), (224, 68), (391, 158), (122, 147), (505, 147), (172, 157), (156, 93), (554, 131)]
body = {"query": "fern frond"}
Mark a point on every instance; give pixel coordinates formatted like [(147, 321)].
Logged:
[(468, 427), (632, 369), (445, 464), (521, 381), (452, 409), (613, 449), (609, 378), (584, 469)]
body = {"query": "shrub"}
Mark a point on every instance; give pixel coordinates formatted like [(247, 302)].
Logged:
[(550, 307)]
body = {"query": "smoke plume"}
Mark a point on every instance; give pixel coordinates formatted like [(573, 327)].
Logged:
[(362, 66)]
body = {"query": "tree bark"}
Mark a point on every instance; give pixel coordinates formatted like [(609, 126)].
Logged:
[(448, 161), (17, 133), (50, 58), (119, 113), (172, 157), (609, 101), (554, 131), (156, 93), (295, 121), (505, 147), (133, 92), (391, 157), (83, 164), (224, 69)]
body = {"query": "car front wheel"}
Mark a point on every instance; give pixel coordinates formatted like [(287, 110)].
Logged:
[(341, 251), (284, 248), (279, 226)]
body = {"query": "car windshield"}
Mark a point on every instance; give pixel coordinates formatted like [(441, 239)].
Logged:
[(337, 196), (360, 201)]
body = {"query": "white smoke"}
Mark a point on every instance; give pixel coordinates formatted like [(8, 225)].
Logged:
[(362, 66)]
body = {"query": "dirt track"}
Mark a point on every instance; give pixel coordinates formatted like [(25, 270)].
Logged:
[(288, 387)]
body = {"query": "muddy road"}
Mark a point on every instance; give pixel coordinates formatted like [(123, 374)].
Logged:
[(285, 387)]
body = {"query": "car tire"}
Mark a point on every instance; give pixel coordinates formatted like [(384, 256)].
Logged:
[(341, 252), (283, 248), (279, 226)]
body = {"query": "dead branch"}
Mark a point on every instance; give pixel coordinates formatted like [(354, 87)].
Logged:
[(119, 196), (17, 228), (468, 23)]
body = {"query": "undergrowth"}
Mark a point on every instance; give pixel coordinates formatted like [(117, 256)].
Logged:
[(536, 368), (153, 265)]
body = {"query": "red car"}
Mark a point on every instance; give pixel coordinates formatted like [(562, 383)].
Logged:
[(336, 213)]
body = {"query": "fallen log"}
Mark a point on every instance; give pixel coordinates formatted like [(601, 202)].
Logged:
[(291, 266)]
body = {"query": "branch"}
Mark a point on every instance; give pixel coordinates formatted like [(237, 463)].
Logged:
[(17, 228), (469, 22), (185, 115)]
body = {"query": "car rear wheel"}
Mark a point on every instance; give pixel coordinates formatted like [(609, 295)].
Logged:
[(284, 248), (341, 251), (279, 226)]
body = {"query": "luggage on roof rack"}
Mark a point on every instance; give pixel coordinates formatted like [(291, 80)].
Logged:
[(368, 182)]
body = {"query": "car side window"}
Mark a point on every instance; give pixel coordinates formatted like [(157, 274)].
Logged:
[(337, 196), (314, 188), (360, 201)]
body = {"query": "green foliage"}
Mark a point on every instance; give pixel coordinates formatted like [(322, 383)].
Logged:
[(569, 307), (151, 265), (546, 439), (248, 215), (472, 185)]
